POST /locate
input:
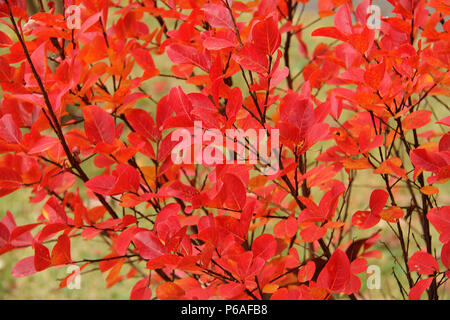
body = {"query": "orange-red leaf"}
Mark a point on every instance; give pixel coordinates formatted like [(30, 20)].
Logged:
[(98, 125), (169, 291), (61, 251), (419, 288), (417, 119), (336, 273), (423, 263)]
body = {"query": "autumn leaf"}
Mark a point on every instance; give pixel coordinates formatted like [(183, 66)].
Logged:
[(148, 245), (423, 263), (169, 291), (61, 251), (419, 288), (265, 36), (417, 119), (98, 125), (264, 246), (336, 273), (141, 290), (218, 16)]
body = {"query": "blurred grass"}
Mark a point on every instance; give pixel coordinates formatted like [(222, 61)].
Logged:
[(44, 285)]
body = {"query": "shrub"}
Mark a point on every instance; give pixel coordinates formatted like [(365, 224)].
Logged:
[(354, 127)]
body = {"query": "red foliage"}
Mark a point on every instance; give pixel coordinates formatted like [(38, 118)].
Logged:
[(82, 128)]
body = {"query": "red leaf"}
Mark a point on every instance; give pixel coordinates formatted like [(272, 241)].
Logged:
[(264, 246), (440, 219), (313, 233), (98, 125), (39, 60), (61, 251), (353, 285), (142, 144), (42, 258), (167, 223), (361, 11), (329, 201), (426, 160), (378, 200), (148, 245), (43, 144), (417, 119), (180, 53), (54, 212), (215, 43), (124, 179), (179, 190), (306, 273), (336, 273), (169, 291), (286, 228), (444, 143), (24, 267), (107, 263), (89, 22), (5, 41), (101, 184), (365, 219), (423, 263), (179, 102), (4, 235), (252, 59), (265, 36), (299, 112), (368, 219), (9, 131), (374, 75), (50, 230), (330, 32), (358, 265), (127, 179), (124, 239), (419, 288), (445, 255), (9, 179), (218, 16), (234, 103), (141, 290), (143, 123), (343, 20), (21, 235), (235, 191), (145, 61), (391, 214), (5, 70), (445, 121)]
